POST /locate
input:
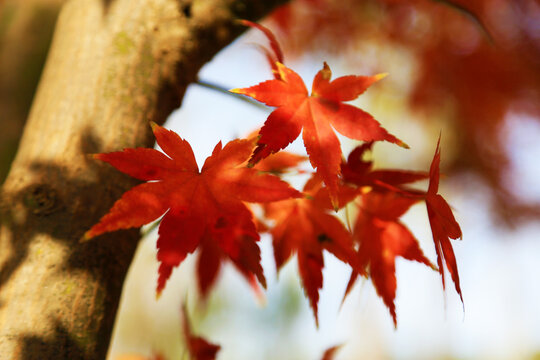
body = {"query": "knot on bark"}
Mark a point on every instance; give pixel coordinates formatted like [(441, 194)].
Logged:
[(42, 199)]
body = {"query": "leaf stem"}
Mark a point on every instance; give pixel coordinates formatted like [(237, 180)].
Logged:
[(223, 90)]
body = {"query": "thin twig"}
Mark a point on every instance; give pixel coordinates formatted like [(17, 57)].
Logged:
[(471, 16), (223, 90)]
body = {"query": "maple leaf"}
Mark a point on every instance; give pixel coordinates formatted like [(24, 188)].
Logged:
[(330, 353), (274, 55), (199, 348), (304, 226), (359, 172), (315, 115), (201, 209), (443, 224), (382, 238), (280, 162)]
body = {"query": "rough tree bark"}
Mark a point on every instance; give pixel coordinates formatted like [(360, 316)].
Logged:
[(114, 65)]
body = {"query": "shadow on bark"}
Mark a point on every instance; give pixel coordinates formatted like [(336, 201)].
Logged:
[(61, 346), (106, 5), (63, 205)]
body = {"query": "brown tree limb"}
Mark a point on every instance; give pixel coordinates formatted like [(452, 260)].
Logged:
[(114, 65)]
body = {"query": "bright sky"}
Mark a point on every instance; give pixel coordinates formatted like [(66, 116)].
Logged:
[(499, 269)]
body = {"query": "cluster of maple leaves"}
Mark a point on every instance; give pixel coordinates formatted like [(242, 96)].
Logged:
[(479, 58), (208, 209)]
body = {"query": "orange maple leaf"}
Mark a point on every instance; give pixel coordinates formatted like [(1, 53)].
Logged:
[(382, 237), (304, 226), (202, 209), (199, 348), (443, 224), (274, 54), (315, 115), (281, 162), (331, 352), (359, 172)]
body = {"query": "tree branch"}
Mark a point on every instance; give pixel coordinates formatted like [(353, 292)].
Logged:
[(113, 67)]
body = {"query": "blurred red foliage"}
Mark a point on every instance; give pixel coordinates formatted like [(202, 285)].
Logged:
[(481, 57)]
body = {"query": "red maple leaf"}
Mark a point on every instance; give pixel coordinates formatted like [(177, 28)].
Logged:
[(274, 55), (382, 238), (199, 348), (359, 172), (203, 209), (306, 227), (443, 224), (279, 163), (315, 115), (331, 352)]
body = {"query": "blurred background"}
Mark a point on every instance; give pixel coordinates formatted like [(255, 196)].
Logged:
[(467, 69)]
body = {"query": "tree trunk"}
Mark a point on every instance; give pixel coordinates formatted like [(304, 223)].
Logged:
[(113, 67)]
